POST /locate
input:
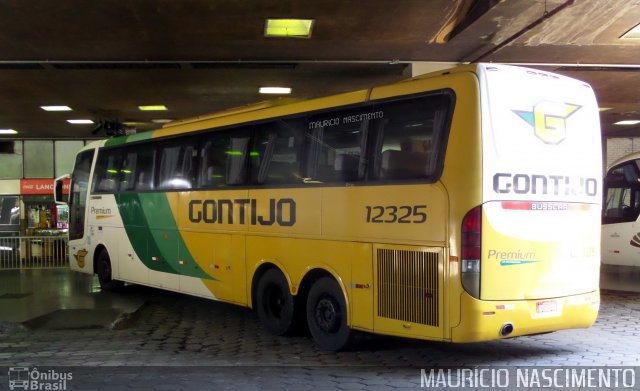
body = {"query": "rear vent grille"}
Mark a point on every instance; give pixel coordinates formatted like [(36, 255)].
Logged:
[(408, 286)]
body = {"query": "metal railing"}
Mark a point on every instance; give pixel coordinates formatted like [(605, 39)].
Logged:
[(33, 252)]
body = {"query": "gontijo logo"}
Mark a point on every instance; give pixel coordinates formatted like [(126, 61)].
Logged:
[(549, 120)]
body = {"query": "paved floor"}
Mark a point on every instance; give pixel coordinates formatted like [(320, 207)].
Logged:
[(176, 342)]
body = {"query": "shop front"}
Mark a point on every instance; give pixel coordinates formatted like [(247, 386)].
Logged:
[(42, 216), (33, 228)]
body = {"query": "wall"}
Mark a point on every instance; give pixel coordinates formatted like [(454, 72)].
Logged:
[(37, 158), (620, 146)]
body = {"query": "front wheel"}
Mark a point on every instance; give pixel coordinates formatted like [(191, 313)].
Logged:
[(327, 315), (103, 266), (274, 303)]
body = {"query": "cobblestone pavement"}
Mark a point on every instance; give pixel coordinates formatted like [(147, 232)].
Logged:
[(181, 342)]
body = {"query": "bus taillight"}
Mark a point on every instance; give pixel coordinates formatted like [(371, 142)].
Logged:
[(471, 251)]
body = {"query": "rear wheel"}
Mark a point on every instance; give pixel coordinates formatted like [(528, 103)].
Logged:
[(103, 269), (327, 315), (274, 303)]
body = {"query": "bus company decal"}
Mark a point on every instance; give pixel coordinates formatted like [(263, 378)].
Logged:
[(540, 184), (101, 213), (152, 230), (549, 120), (635, 241), (550, 206), (280, 211), (516, 262), (515, 257)]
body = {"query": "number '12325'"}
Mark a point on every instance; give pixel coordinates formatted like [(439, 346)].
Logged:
[(404, 214)]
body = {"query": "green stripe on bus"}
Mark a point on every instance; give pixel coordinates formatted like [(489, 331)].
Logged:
[(153, 233), (128, 139)]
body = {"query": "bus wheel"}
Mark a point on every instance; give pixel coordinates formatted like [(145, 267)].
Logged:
[(274, 303), (103, 268), (327, 315)]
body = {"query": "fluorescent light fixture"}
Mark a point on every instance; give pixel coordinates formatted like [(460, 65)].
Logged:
[(601, 109), (79, 121), (56, 108), (275, 90), (295, 28), (153, 108), (8, 131), (161, 120), (634, 33), (628, 122)]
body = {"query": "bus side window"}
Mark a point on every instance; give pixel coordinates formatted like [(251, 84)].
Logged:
[(410, 137), (622, 195), (618, 206), (275, 156), (177, 166), (143, 172), (336, 141), (223, 157), (236, 171), (212, 161), (127, 180), (106, 178)]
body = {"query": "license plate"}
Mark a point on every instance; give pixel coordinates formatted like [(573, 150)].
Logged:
[(546, 306)]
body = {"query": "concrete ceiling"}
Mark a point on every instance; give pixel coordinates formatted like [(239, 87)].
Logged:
[(104, 58)]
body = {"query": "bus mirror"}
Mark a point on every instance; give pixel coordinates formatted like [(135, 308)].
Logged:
[(59, 195)]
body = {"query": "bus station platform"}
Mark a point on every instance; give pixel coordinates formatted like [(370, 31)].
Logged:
[(60, 299), (156, 340)]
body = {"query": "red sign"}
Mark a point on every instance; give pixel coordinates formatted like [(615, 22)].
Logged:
[(41, 186)]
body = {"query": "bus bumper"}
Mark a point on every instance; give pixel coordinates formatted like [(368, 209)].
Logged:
[(490, 320)]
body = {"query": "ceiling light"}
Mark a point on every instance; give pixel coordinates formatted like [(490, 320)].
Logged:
[(296, 28), (161, 120), (601, 109), (153, 108), (56, 108), (628, 122), (8, 131), (275, 90), (634, 33), (79, 121)]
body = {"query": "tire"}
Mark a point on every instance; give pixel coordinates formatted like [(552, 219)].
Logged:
[(327, 315), (274, 303), (103, 266)]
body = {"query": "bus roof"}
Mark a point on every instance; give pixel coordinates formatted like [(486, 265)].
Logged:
[(277, 108), (625, 158)]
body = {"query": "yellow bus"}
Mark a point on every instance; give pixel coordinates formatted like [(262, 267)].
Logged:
[(459, 206)]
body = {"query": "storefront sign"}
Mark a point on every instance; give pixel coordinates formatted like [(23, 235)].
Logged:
[(41, 186)]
